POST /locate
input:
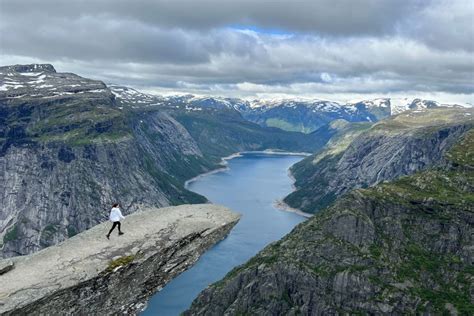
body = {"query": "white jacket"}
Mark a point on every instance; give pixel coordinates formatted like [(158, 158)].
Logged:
[(115, 215)]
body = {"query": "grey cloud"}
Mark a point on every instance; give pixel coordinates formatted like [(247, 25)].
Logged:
[(365, 46), (344, 17), (87, 39)]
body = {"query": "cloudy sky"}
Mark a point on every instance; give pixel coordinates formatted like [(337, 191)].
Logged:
[(329, 49)]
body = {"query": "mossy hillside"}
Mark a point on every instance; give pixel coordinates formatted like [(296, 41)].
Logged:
[(345, 133), (305, 175), (463, 154), (451, 187), (48, 233), (75, 120), (359, 156), (80, 123), (323, 162), (287, 126), (169, 184), (11, 234), (422, 119)]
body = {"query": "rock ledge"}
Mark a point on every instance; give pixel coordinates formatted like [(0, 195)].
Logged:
[(88, 274)]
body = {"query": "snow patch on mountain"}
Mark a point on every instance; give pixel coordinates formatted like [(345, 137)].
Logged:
[(362, 110)]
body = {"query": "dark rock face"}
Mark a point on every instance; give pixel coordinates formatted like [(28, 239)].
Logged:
[(385, 152), (398, 248), (65, 154)]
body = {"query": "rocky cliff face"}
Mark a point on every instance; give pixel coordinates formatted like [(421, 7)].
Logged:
[(67, 151), (402, 145), (405, 247), (89, 274)]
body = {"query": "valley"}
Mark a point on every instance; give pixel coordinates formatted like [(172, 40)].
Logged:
[(389, 183), (391, 247), (250, 186)]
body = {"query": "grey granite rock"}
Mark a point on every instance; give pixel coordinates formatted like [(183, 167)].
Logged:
[(91, 275), (67, 151)]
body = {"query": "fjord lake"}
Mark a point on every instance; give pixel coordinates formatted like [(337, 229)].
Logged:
[(251, 186)]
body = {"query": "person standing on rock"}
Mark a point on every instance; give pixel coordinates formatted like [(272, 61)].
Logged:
[(115, 217)]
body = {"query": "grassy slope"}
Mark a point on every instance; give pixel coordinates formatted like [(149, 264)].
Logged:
[(287, 126)]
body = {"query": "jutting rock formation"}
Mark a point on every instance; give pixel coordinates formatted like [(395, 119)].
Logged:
[(89, 274)]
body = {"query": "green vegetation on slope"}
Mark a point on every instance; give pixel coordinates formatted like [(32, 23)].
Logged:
[(221, 133), (286, 126), (11, 235), (75, 120)]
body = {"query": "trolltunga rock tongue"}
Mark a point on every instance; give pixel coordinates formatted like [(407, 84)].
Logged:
[(88, 274)]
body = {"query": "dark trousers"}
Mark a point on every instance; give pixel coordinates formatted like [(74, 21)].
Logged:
[(113, 227)]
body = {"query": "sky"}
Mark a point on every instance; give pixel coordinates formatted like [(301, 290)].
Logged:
[(328, 49)]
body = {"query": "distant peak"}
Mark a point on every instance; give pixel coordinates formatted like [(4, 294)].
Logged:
[(31, 68)]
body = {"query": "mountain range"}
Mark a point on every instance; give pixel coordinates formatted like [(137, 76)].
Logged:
[(298, 115)]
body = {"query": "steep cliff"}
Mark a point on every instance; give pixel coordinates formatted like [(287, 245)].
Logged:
[(401, 145), (67, 151), (404, 247), (91, 275)]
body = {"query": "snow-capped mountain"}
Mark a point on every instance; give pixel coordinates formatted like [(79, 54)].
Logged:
[(304, 115), (42, 81), (296, 114), (189, 102)]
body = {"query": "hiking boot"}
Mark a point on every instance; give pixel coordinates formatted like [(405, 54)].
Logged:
[(107, 236), (120, 233)]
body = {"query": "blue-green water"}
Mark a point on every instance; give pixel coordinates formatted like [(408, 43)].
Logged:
[(250, 187)]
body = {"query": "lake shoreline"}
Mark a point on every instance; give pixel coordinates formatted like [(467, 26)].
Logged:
[(223, 163), (282, 206), (278, 204)]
